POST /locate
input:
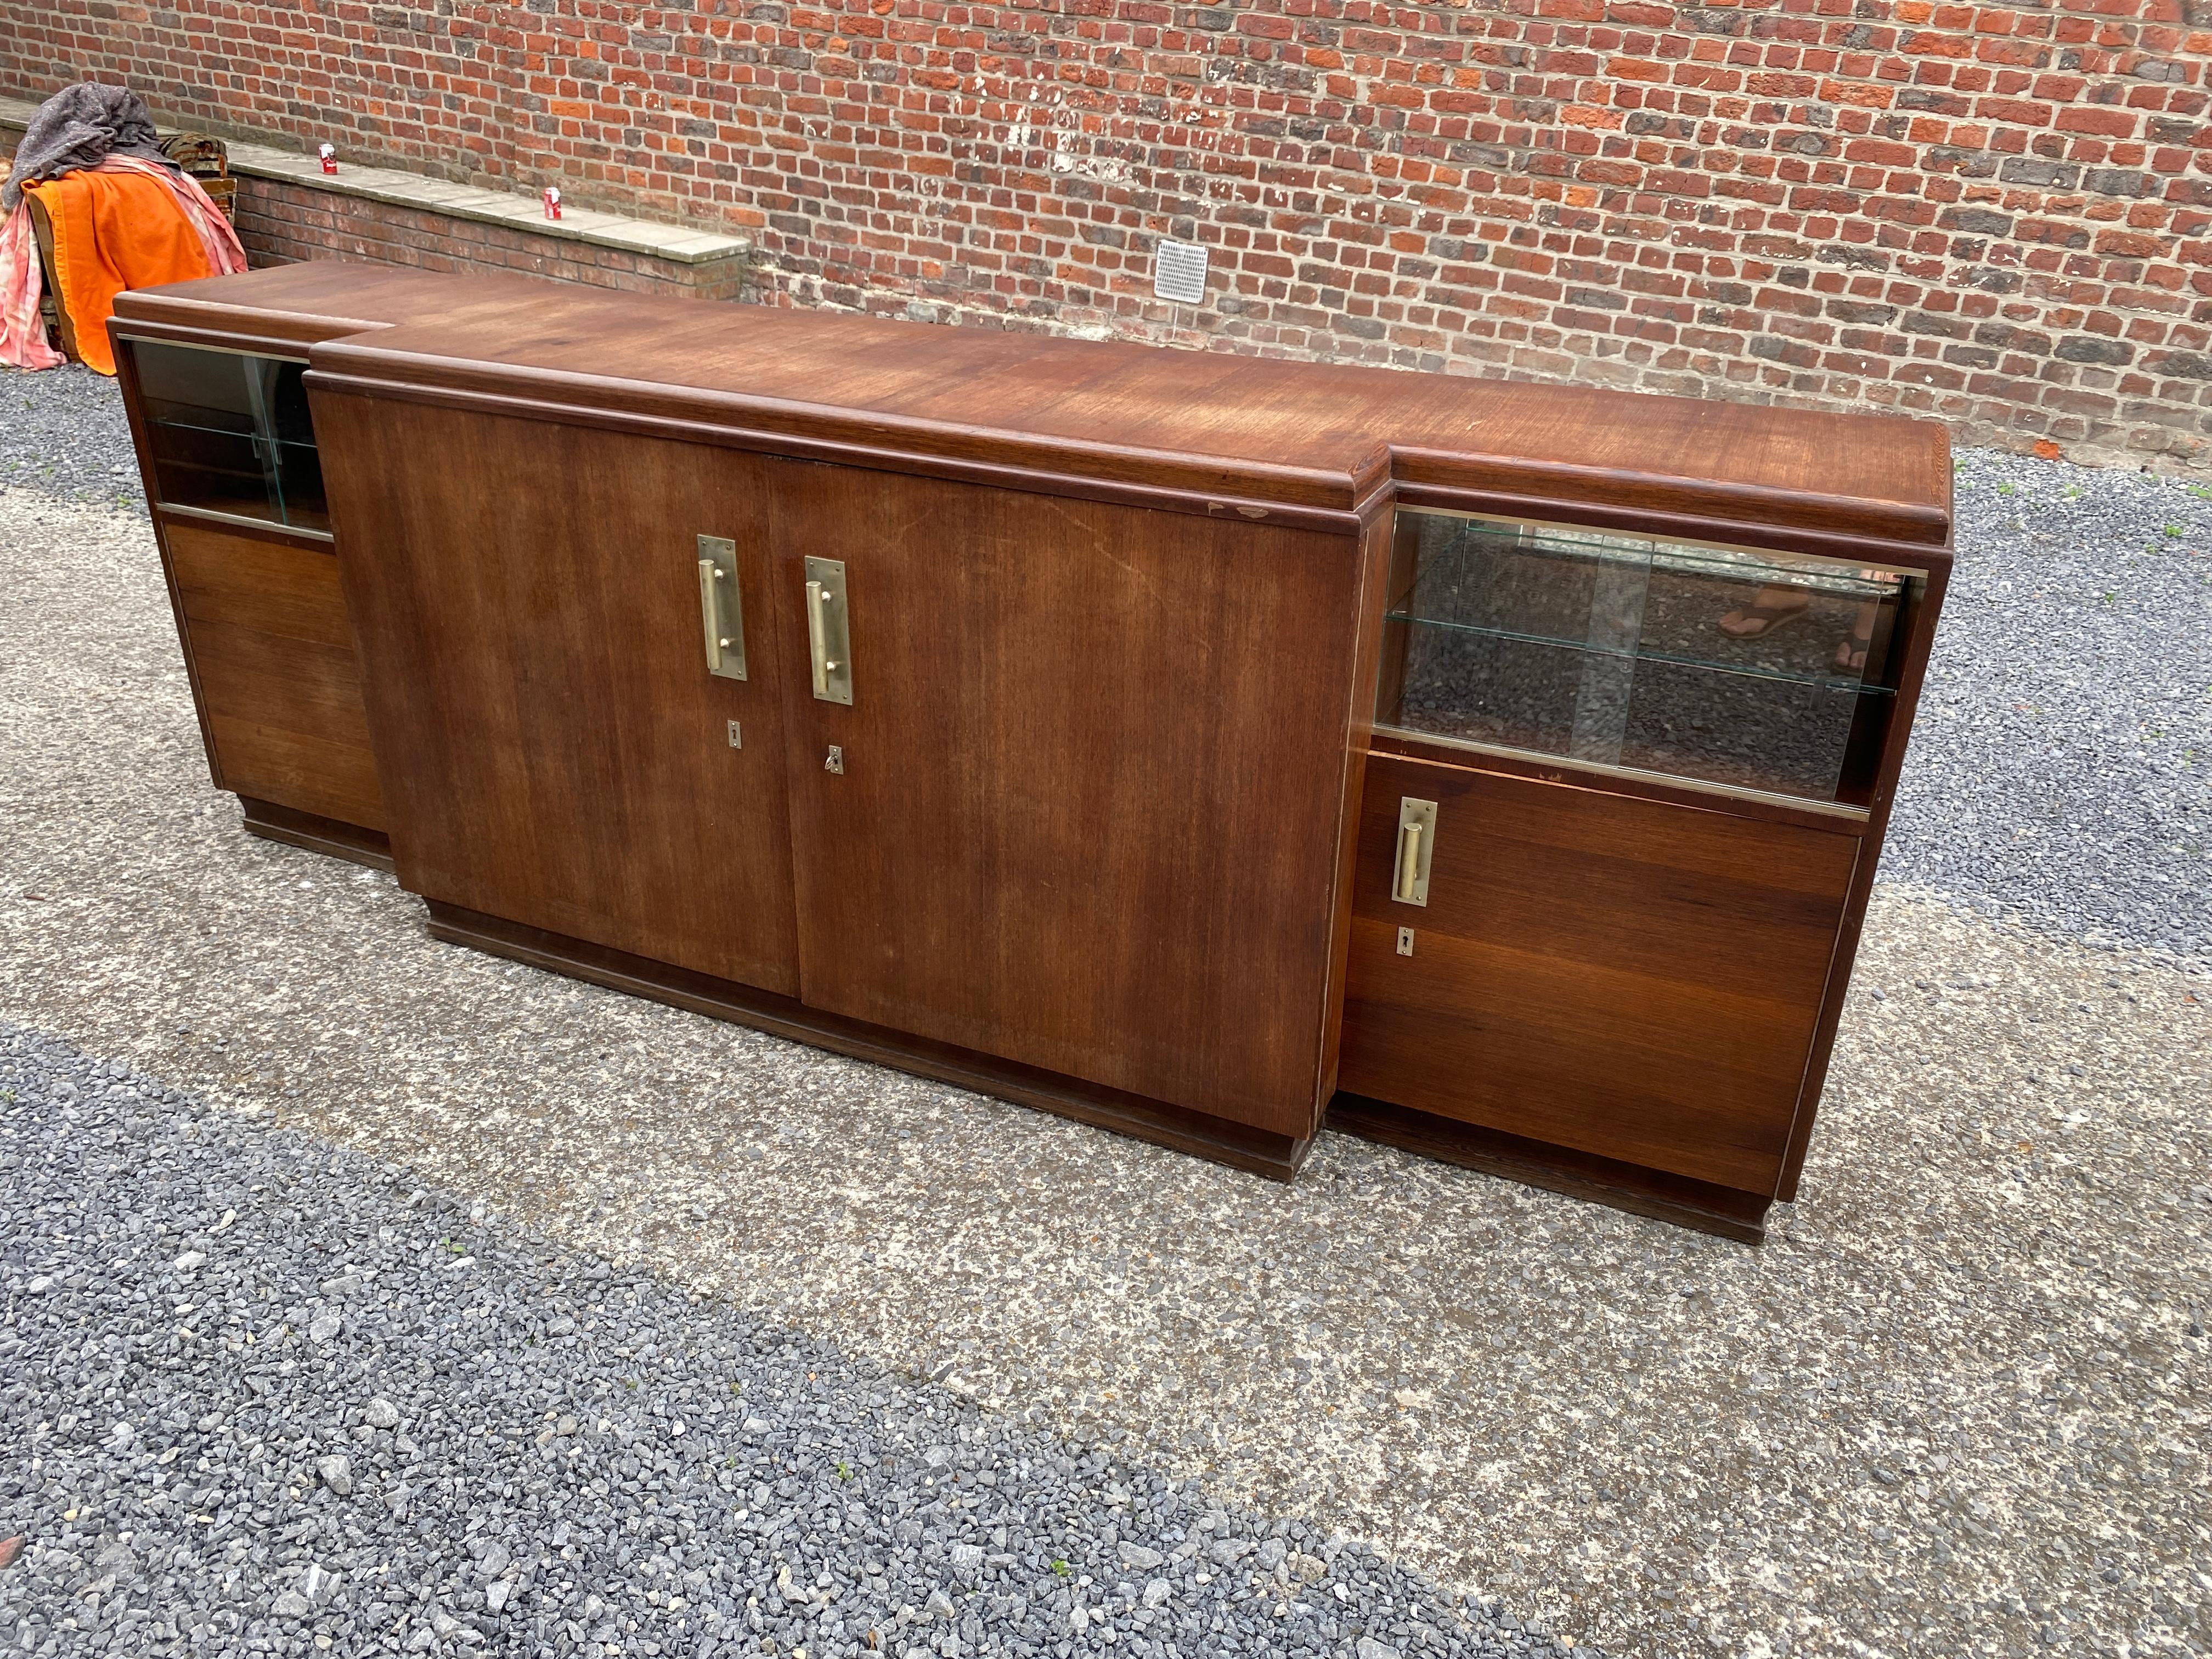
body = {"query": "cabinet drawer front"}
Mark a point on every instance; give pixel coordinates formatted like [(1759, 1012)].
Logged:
[(1628, 978), (278, 677)]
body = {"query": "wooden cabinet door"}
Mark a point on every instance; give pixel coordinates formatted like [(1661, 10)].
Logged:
[(554, 748), (1628, 978), (1092, 805), (273, 660)]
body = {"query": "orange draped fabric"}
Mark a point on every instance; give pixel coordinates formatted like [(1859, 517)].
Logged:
[(114, 231)]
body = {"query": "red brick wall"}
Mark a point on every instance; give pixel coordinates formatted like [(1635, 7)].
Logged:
[(279, 222), (1993, 212)]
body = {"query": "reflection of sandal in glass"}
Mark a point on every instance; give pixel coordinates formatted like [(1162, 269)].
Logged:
[(1852, 653), (1763, 615)]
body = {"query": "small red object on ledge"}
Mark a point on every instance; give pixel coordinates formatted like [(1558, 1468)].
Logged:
[(552, 201), (329, 153)]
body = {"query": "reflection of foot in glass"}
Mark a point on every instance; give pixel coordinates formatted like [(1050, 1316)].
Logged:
[(1852, 653), (1776, 607)]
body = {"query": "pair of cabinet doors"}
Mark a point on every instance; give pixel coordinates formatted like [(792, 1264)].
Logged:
[(1088, 805)]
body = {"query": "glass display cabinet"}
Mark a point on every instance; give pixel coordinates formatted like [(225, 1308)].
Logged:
[(234, 481), (1731, 666), (228, 433), (1624, 798)]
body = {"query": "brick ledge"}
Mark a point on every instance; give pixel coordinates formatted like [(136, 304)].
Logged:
[(673, 243)]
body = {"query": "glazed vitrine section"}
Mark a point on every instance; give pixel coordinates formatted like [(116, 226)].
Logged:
[(228, 433), (1738, 668)]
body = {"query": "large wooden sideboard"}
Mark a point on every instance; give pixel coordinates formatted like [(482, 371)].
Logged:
[(1199, 745)]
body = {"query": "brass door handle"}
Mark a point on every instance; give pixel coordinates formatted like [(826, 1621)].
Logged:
[(829, 637), (721, 609), (816, 641), (1417, 849)]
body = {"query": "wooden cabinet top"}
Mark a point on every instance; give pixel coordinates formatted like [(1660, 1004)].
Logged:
[(1311, 434)]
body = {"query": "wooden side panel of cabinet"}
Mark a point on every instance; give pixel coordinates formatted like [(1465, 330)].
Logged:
[(278, 677), (557, 750), (1092, 814), (1627, 977)]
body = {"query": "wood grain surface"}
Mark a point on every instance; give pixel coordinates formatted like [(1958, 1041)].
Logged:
[(285, 309), (554, 748), (276, 670), (1623, 976), (313, 833), (1093, 790), (1321, 433)]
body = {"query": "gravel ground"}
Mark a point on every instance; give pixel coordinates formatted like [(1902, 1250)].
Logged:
[(1957, 1405), (63, 432), (267, 1395), (2061, 767)]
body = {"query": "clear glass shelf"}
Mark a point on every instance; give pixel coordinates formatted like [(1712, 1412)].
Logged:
[(231, 434), (1752, 670)]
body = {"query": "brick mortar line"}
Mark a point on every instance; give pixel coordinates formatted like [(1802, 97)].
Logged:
[(1672, 197)]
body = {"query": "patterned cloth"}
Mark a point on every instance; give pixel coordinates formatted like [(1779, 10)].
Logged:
[(22, 332), (105, 240)]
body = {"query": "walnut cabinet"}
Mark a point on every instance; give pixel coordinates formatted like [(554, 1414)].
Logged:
[(1204, 747)]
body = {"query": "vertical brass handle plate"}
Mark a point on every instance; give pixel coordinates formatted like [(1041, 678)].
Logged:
[(829, 633), (1417, 846), (721, 609)]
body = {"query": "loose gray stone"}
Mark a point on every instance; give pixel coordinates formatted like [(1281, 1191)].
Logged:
[(1889, 1313), (65, 437), (2058, 773), (337, 1473)]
